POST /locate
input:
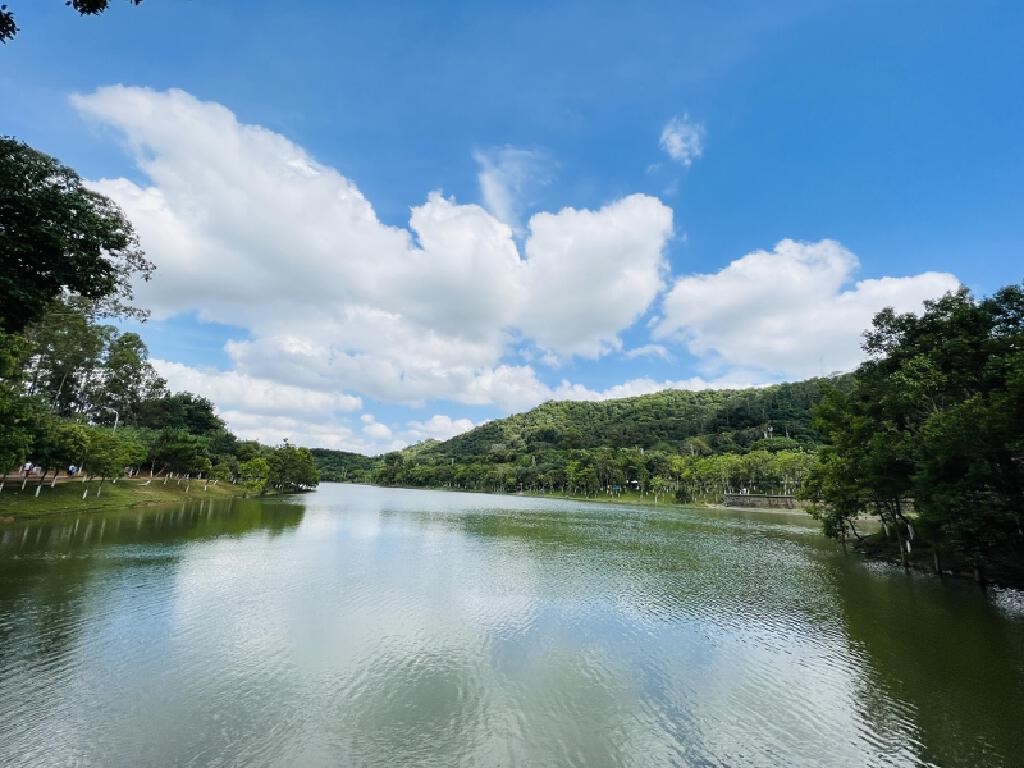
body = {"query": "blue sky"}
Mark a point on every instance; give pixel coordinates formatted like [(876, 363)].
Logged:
[(877, 142)]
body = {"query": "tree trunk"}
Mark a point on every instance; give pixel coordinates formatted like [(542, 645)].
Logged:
[(853, 530), (904, 547), (903, 550), (35, 376), (56, 397)]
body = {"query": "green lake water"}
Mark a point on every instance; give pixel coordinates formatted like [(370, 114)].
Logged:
[(359, 626)]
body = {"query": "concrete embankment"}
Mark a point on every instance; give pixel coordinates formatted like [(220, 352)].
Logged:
[(762, 501)]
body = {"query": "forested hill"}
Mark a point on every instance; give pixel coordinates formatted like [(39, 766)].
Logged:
[(553, 443), (673, 421)]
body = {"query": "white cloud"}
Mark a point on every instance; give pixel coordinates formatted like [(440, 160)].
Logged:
[(682, 139), (510, 387), (247, 229), (509, 177), (268, 411), (437, 427), (312, 433), (788, 312), (234, 390), (648, 350), (377, 431), (589, 274)]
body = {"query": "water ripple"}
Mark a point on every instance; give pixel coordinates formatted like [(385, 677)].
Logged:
[(370, 627)]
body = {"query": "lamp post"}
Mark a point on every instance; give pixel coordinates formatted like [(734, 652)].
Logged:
[(117, 415)]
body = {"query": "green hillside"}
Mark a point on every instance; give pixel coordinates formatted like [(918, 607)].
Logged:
[(696, 445), (708, 421)]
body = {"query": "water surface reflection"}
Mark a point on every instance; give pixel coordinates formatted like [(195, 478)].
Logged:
[(378, 627)]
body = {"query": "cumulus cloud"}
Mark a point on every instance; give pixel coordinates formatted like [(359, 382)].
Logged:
[(438, 427), (377, 431), (314, 433), (589, 274), (373, 429), (233, 390), (682, 140), (248, 229), (268, 411), (260, 409), (788, 312)]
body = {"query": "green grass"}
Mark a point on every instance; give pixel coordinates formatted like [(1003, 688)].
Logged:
[(67, 496)]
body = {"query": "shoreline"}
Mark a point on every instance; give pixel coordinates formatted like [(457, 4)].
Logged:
[(629, 501), (997, 573), (131, 493), (872, 550), (66, 497)]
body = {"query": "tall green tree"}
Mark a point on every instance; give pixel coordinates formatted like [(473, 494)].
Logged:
[(66, 350), (254, 473), (59, 237), (108, 453), (181, 410), (177, 450), (128, 380), (292, 468), (937, 415), (58, 443), (19, 415)]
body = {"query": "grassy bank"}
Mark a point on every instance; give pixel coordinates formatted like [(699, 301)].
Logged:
[(67, 496)]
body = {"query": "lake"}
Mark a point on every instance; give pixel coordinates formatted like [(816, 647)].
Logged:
[(374, 627)]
